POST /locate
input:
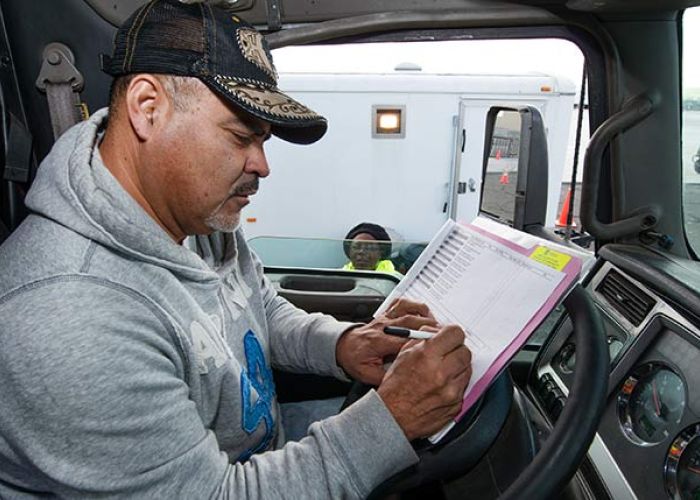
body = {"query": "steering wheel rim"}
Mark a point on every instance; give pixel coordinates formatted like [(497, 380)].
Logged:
[(559, 458)]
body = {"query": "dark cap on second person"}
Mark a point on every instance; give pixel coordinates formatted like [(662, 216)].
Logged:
[(227, 54), (375, 230)]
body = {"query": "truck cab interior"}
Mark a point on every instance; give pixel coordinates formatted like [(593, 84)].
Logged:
[(604, 402)]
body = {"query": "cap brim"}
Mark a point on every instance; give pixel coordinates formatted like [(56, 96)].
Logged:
[(290, 120)]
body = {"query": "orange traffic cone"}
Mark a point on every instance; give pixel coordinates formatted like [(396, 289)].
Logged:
[(564, 215), (504, 177)]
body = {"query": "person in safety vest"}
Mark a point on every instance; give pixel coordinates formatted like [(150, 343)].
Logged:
[(366, 248)]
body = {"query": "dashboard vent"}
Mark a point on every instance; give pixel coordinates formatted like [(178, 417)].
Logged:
[(625, 297)]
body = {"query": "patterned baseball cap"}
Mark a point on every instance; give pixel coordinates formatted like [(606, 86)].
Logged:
[(227, 54)]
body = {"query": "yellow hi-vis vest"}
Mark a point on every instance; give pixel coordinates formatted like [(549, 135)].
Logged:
[(384, 266)]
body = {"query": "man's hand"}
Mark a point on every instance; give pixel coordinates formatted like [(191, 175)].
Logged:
[(363, 350), (425, 385)]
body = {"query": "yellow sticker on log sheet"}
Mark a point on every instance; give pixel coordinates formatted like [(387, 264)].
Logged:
[(551, 258)]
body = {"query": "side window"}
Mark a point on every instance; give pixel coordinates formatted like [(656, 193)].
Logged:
[(691, 126)]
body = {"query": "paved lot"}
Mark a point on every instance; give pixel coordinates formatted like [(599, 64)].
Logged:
[(691, 205), (502, 202)]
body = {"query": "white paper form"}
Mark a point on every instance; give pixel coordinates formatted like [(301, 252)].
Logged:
[(482, 285)]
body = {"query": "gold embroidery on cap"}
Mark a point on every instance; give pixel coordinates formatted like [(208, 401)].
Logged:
[(268, 101), (134, 31), (251, 45)]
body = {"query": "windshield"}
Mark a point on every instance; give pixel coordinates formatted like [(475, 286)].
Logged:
[(349, 255), (691, 125), (405, 143)]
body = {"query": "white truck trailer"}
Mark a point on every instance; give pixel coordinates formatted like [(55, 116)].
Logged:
[(436, 125)]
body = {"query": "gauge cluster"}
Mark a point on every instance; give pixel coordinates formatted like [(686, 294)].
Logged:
[(650, 424), (682, 467), (650, 403), (648, 441)]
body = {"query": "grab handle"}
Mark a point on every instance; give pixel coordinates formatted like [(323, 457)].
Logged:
[(645, 218)]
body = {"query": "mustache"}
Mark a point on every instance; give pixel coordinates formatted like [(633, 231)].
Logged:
[(247, 188)]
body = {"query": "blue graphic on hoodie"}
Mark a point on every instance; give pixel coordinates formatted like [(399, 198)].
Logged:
[(258, 376)]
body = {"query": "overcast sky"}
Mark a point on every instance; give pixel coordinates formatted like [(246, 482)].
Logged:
[(691, 47), (551, 56)]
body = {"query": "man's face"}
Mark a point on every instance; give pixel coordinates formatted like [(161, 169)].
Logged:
[(365, 252), (209, 160)]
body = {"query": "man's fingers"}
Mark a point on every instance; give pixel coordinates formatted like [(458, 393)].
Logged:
[(402, 307), (389, 313), (464, 377), (457, 362), (429, 328), (413, 322), (442, 415), (447, 340), (373, 375), (410, 343), (462, 355), (406, 306), (388, 344)]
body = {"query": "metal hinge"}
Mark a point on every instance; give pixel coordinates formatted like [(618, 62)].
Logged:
[(61, 81)]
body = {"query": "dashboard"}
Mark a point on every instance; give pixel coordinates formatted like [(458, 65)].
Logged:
[(648, 442)]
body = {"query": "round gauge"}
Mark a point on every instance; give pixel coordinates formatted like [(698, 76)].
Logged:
[(567, 358), (567, 355), (682, 468), (651, 403)]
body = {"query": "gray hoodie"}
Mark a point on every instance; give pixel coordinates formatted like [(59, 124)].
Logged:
[(131, 366)]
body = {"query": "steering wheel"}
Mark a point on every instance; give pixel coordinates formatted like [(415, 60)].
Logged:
[(558, 459)]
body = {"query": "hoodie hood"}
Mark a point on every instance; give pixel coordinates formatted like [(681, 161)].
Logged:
[(74, 188)]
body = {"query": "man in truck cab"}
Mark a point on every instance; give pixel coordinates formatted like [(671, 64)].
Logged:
[(137, 354)]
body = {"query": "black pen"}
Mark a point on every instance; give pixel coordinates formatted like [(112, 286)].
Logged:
[(407, 333)]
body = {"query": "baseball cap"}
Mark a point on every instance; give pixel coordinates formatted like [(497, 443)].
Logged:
[(226, 53)]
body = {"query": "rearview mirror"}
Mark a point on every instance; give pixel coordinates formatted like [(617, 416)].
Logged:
[(514, 187)]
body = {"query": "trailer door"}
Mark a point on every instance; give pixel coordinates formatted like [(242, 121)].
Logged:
[(467, 170)]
